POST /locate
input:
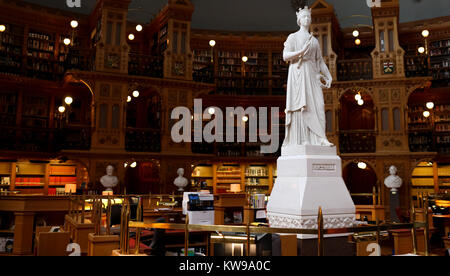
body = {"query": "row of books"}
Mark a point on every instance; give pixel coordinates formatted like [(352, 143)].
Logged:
[(63, 170), (443, 128), (256, 172), (62, 180), (443, 140), (29, 181), (39, 36), (41, 45), (258, 201)]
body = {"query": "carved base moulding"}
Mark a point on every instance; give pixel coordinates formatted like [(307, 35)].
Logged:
[(310, 177), (310, 222)]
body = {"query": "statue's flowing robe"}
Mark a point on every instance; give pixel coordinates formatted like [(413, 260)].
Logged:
[(305, 113)]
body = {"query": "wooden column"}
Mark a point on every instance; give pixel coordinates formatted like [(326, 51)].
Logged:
[(436, 177), (12, 186), (243, 188), (23, 233), (46, 179), (271, 179)]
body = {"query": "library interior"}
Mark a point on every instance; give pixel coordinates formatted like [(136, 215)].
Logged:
[(89, 164)]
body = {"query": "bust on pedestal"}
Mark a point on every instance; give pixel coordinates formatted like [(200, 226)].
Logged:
[(393, 182), (109, 181), (181, 182), (309, 170)]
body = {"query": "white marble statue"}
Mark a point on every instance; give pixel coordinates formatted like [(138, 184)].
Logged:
[(305, 113), (393, 181), (181, 182), (309, 171), (109, 181)]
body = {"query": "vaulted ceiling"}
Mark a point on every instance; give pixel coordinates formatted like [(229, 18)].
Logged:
[(265, 15)]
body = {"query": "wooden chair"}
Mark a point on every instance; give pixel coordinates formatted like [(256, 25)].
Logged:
[(51, 243)]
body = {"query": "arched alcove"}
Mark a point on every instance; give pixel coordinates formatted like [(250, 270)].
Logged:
[(357, 122), (144, 121), (360, 181), (144, 178)]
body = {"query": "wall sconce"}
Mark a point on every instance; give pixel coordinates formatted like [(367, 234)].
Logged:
[(2, 28), (421, 50), (355, 33), (139, 28), (212, 43), (358, 41), (426, 114), (64, 110), (131, 36), (362, 165), (136, 93), (68, 100), (430, 105), (74, 24)]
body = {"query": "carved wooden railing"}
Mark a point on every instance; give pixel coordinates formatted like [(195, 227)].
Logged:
[(357, 141), (143, 140), (145, 65), (355, 69), (45, 139), (416, 66)]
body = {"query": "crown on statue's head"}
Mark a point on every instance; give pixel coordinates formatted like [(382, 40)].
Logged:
[(303, 11)]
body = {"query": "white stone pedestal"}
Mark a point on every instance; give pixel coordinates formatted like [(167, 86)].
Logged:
[(310, 177)]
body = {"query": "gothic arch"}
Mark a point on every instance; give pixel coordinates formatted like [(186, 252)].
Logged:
[(364, 90), (411, 89)]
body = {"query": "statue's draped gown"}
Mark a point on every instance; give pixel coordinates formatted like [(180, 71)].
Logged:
[(305, 113)]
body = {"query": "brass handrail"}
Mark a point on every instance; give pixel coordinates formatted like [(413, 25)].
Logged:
[(320, 232)]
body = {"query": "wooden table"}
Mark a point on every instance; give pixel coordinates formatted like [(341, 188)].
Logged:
[(171, 216), (25, 208), (446, 222), (403, 243), (224, 201), (373, 212)]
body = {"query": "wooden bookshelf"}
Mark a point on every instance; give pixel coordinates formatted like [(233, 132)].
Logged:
[(35, 111), (254, 178), (41, 55), (426, 177), (429, 134), (30, 178), (227, 174), (442, 128), (203, 66), (203, 174), (440, 62), (38, 178), (279, 74), (11, 47), (60, 175), (8, 108), (258, 179)]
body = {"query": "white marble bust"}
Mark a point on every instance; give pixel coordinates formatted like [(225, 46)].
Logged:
[(181, 182), (109, 181), (393, 181)]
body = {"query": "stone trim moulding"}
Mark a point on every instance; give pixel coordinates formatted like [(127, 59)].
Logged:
[(310, 222)]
